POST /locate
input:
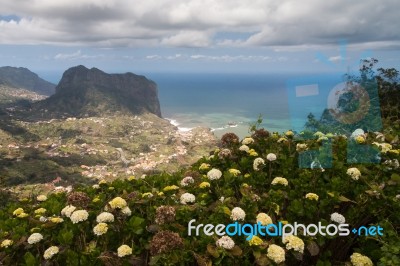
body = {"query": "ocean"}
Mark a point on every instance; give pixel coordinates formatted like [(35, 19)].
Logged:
[(226, 102)]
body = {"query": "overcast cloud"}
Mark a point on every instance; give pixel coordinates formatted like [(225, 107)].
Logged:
[(194, 23), (198, 35)]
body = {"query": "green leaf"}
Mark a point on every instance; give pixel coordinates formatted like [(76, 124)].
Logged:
[(72, 258), (212, 250), (395, 178), (236, 251), (30, 260), (263, 261), (136, 221), (137, 225), (154, 260), (138, 231), (331, 194), (313, 248), (256, 254), (344, 199), (276, 208), (91, 247), (227, 211), (65, 237)]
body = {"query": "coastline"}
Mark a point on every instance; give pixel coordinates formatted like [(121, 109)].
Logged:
[(240, 128), (226, 123)]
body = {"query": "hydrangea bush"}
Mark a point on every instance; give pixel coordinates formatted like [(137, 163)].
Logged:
[(143, 221)]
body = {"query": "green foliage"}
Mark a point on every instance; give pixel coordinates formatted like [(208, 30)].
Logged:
[(371, 200)]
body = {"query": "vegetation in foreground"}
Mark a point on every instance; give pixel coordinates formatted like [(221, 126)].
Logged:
[(143, 220)]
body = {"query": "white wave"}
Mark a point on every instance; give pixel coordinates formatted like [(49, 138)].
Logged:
[(217, 129), (184, 129), (173, 122)]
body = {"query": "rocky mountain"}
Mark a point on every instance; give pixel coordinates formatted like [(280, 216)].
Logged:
[(86, 92), (23, 78)]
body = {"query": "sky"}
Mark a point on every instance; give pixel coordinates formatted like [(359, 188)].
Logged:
[(229, 36)]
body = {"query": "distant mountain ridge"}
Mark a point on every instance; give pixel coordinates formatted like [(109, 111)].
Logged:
[(92, 92), (23, 78)]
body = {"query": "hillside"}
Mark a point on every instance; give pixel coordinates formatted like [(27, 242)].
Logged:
[(84, 150), (23, 78), (10, 95), (95, 124)]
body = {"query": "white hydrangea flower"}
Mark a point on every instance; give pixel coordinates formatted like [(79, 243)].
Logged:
[(214, 174), (360, 260), (187, 198), (392, 163), (384, 147), (276, 253), (41, 198), (35, 238), (247, 141), (238, 214), (354, 173), (186, 181), (357, 132), (319, 134), (68, 210), (117, 203), (100, 229), (380, 136), (323, 138), (312, 196), (264, 219), (271, 157), (126, 211), (6, 243), (257, 163), (293, 242), (244, 148), (124, 250), (105, 217), (79, 216), (280, 180), (225, 242), (50, 252), (282, 140), (338, 218), (301, 147), (396, 163)]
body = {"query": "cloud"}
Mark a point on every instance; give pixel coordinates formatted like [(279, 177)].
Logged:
[(217, 58), (154, 57), (187, 39), (75, 56), (336, 58), (193, 23)]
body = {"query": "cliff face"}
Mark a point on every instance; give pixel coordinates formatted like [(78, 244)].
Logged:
[(23, 78), (92, 92)]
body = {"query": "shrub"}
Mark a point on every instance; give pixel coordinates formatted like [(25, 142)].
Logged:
[(155, 232)]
